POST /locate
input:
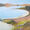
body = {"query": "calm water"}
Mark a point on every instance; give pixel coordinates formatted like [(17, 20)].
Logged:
[(12, 12)]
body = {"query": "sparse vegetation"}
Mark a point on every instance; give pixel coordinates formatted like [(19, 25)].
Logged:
[(21, 8)]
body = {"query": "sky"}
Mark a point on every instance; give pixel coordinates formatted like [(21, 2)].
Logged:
[(20, 1), (16, 1), (10, 12)]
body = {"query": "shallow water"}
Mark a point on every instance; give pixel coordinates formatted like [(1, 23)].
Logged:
[(12, 13)]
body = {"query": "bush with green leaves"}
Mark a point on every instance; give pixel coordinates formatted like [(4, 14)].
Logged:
[(11, 22)]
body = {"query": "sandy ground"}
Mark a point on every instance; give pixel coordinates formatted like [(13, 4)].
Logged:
[(22, 19)]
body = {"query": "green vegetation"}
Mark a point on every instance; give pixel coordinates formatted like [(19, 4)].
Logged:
[(21, 8), (11, 22)]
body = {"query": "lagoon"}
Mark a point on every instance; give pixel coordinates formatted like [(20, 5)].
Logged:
[(12, 12)]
